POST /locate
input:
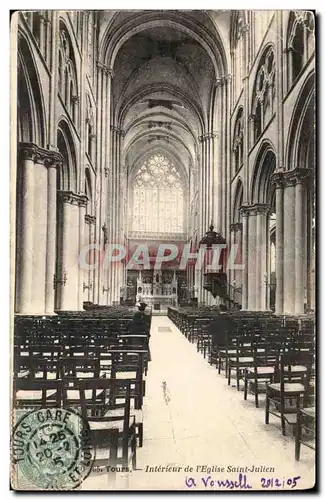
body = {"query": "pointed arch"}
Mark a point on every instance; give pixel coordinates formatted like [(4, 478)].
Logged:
[(67, 70), (301, 142), (300, 44), (68, 173), (30, 102), (265, 163), (263, 97)]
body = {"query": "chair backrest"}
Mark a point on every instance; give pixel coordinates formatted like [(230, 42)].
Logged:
[(37, 384), (74, 366), (111, 388), (37, 367), (295, 366)]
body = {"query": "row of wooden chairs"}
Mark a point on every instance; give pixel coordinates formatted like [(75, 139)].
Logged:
[(93, 365), (269, 355)]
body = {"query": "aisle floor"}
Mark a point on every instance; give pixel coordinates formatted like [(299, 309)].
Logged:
[(193, 418)]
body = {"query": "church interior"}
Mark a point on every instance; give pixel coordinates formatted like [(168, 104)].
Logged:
[(151, 134)]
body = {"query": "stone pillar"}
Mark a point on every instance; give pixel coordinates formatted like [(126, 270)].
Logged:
[(289, 242), (82, 213), (244, 213), (261, 255), (235, 275), (89, 238), (36, 229), (25, 218), (53, 160), (68, 278), (106, 173), (232, 272), (279, 256), (300, 239), (252, 292)]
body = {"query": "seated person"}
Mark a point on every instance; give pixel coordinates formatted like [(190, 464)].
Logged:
[(140, 321), (219, 328)]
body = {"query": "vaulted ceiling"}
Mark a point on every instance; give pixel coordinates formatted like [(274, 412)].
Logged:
[(165, 66)]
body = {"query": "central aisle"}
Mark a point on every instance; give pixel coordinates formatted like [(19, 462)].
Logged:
[(191, 417)]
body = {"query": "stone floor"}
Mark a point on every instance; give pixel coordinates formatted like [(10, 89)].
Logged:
[(192, 419)]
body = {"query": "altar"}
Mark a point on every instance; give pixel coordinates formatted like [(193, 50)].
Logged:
[(159, 291)]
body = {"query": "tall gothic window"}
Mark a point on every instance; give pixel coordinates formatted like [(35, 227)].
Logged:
[(264, 93), (158, 198), (237, 53), (67, 76), (238, 142), (301, 43)]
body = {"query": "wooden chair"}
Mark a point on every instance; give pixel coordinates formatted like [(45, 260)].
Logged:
[(305, 430), (262, 372), (291, 381), (243, 358), (114, 434)]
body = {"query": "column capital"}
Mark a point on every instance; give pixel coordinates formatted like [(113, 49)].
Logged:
[(257, 208), (30, 151), (108, 71), (236, 227), (208, 136), (80, 200), (90, 219), (298, 175), (245, 210), (222, 80), (262, 208)]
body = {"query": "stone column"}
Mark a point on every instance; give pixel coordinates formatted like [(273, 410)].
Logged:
[(277, 179), (89, 238), (106, 173), (252, 292), (289, 243), (82, 213), (261, 255), (244, 213), (301, 234), (69, 267), (25, 217), (235, 275), (53, 160), (232, 272), (198, 273), (62, 276)]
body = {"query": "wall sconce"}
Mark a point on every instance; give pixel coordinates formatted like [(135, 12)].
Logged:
[(60, 281), (266, 279), (87, 287), (105, 289)]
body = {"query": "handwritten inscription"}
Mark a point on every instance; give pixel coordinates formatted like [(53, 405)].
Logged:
[(275, 482), (241, 482)]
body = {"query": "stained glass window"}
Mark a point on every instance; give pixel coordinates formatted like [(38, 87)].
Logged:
[(158, 199)]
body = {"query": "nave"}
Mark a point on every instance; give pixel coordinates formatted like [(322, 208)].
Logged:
[(191, 417)]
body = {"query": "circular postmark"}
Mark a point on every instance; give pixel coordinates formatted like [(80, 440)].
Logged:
[(51, 449)]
